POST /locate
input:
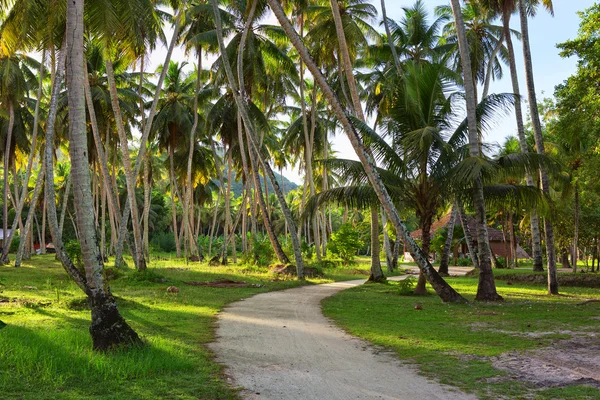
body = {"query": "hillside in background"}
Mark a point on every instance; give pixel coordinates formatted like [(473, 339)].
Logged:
[(286, 185)]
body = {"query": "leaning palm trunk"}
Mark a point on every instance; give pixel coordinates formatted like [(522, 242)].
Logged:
[(39, 182), (535, 221), (108, 329), (188, 198), (539, 144), (21, 200), (388, 33), (130, 179), (468, 236), (145, 135), (486, 290), (443, 270), (147, 203), (11, 124), (445, 291), (63, 211), (358, 111), (576, 233), (281, 256), (252, 139)]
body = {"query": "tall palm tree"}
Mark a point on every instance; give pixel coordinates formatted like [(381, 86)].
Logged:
[(525, 10), (108, 328), (441, 287), (486, 290), (505, 8)]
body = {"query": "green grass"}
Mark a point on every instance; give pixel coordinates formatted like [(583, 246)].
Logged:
[(452, 343), (45, 349)]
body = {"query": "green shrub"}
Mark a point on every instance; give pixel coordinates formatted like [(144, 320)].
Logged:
[(164, 241), (345, 243), (73, 249), (14, 246), (407, 285), (464, 262)]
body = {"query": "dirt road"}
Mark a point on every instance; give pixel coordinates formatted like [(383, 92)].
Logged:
[(279, 345)]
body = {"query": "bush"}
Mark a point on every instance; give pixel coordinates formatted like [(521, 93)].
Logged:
[(14, 246), (407, 285), (164, 241), (464, 262), (73, 249), (345, 243)]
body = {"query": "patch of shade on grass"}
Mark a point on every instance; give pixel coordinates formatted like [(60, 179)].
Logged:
[(457, 343)]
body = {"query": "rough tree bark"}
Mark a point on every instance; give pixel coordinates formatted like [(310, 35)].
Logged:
[(108, 328)]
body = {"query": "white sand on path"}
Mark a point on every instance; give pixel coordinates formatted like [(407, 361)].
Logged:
[(279, 345)]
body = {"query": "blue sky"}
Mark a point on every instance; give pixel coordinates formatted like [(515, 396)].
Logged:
[(549, 68)]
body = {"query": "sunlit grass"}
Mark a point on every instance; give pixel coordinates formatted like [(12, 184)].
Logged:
[(453, 342), (45, 349)]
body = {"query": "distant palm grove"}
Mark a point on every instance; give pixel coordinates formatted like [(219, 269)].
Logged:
[(111, 163)]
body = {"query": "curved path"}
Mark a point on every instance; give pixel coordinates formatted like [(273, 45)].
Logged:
[(278, 345)]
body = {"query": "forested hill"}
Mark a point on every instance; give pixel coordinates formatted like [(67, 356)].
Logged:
[(285, 184)]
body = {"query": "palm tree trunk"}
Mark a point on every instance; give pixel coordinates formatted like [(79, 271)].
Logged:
[(252, 138), (539, 144), (146, 135), (7, 157), (61, 254), (39, 182), (108, 328), (426, 220), (535, 221), (576, 233), (188, 198), (468, 236), (21, 200), (486, 290), (445, 259), (227, 226), (490, 67), (386, 243), (348, 70), (445, 291), (388, 33), (147, 204), (281, 256), (130, 178), (63, 211), (173, 204), (376, 271)]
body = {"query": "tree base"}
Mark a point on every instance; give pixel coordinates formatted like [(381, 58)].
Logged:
[(109, 330), (374, 279)]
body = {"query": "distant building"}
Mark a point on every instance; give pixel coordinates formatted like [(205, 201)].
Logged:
[(2, 236), (496, 237)]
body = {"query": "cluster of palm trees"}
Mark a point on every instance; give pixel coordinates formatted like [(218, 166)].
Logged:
[(273, 97)]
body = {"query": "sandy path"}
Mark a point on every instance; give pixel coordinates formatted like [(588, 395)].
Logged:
[(279, 345)]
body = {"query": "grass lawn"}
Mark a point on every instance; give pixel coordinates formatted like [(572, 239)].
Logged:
[(45, 348), (453, 343)]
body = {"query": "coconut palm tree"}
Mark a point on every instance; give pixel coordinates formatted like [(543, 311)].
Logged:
[(525, 11), (108, 328), (441, 287)]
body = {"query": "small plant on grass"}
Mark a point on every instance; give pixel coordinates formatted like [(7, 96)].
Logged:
[(73, 249), (345, 243), (406, 286)]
